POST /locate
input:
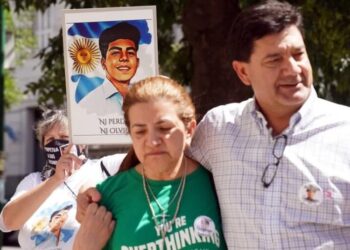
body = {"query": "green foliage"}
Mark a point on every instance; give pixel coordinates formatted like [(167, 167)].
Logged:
[(12, 94), (4, 4), (22, 30), (327, 37), (24, 43), (50, 87)]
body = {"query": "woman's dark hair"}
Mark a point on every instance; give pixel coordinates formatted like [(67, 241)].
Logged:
[(129, 161)]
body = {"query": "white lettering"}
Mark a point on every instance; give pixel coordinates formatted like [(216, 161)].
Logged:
[(194, 236), (185, 237), (160, 244), (170, 242), (52, 162), (180, 221), (157, 228), (51, 150), (179, 240), (205, 238), (51, 156), (216, 239), (151, 246)]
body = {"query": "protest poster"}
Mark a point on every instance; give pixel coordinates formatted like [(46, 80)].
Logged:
[(105, 50)]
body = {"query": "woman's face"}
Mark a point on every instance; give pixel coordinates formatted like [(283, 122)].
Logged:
[(57, 132), (159, 136)]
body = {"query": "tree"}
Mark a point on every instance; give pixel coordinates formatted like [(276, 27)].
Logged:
[(328, 38), (199, 59), (206, 25), (12, 94), (24, 44)]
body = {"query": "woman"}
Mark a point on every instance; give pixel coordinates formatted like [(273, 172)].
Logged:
[(167, 200), (44, 205)]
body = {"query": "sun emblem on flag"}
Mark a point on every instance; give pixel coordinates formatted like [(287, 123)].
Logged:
[(85, 55)]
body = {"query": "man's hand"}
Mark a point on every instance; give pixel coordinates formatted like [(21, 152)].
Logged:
[(84, 199), (95, 229)]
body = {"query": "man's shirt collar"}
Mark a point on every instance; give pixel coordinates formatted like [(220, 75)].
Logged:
[(297, 120)]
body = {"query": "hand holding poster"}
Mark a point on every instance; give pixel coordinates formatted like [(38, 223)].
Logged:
[(105, 50)]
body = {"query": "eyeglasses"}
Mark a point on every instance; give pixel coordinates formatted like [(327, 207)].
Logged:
[(270, 170)]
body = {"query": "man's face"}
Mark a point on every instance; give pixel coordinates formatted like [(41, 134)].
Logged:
[(310, 194), (121, 61), (58, 220), (279, 71)]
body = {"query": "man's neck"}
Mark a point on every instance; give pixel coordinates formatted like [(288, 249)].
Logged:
[(278, 120), (122, 87), (278, 124)]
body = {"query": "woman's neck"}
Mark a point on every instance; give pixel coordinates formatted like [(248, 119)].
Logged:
[(185, 166)]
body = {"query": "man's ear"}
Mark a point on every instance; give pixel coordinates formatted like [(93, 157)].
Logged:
[(241, 70), (103, 63)]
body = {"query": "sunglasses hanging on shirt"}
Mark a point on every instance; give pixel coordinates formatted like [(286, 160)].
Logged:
[(270, 170)]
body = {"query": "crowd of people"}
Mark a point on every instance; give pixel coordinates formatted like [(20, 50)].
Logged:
[(271, 172)]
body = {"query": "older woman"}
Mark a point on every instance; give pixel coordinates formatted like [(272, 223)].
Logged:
[(167, 201), (44, 205)]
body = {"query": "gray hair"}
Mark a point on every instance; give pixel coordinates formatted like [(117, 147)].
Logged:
[(51, 118)]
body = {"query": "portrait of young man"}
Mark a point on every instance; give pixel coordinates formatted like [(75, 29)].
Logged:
[(118, 47), (106, 51)]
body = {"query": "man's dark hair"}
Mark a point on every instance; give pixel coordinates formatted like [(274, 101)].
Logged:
[(122, 30), (255, 22), (59, 210)]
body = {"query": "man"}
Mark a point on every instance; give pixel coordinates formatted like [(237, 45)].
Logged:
[(57, 220), (266, 152), (56, 231), (118, 45)]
